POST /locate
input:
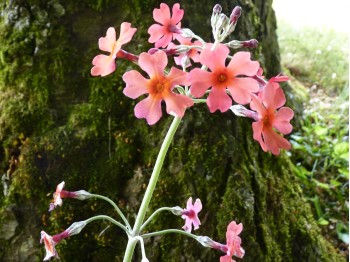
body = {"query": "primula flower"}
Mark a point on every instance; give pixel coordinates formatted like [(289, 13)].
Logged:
[(60, 193), (221, 78), (192, 53), (159, 87), (269, 118), (168, 28), (51, 241), (233, 243), (105, 64), (190, 214)]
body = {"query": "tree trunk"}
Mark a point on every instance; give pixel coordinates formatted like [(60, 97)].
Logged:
[(59, 123)]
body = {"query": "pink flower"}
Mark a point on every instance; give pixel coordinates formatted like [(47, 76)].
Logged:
[(49, 246), (270, 119), (159, 87), (60, 193), (190, 214), (168, 28), (57, 198), (51, 241), (105, 64), (233, 242), (192, 53), (221, 78)]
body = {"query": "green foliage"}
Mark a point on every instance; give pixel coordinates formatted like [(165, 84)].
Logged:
[(319, 59)]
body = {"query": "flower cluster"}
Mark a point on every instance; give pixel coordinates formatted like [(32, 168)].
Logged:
[(221, 80)]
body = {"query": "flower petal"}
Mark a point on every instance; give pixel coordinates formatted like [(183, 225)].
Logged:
[(281, 120), (275, 141), (257, 105), (242, 88), (200, 82), (136, 84), (237, 229), (242, 65), (176, 104), (177, 14), (162, 15), (149, 108), (126, 33), (107, 43), (177, 77), (153, 64), (197, 205), (164, 41), (257, 134), (218, 99), (156, 31), (103, 65), (273, 95), (215, 60)]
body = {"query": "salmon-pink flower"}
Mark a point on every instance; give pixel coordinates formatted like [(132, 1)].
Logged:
[(159, 87), (190, 214), (105, 64), (168, 28), (191, 53), (60, 193), (222, 77), (266, 104)]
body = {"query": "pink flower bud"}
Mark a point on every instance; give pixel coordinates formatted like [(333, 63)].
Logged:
[(252, 43), (217, 9), (236, 13)]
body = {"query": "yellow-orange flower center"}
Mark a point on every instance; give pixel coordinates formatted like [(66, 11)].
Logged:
[(158, 86), (222, 78)]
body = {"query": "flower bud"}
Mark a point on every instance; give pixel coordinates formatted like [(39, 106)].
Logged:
[(82, 195), (185, 32), (236, 13), (75, 228), (252, 43), (177, 211), (214, 17), (217, 9), (240, 110), (235, 44)]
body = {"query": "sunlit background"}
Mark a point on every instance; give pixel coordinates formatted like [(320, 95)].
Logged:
[(314, 42)]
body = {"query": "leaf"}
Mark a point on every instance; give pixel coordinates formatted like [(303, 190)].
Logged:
[(322, 222)]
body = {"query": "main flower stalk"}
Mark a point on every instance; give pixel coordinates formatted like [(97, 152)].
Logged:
[(150, 189)]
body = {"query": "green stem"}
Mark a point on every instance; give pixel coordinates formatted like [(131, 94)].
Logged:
[(154, 214), (167, 231), (109, 219), (115, 207), (150, 188)]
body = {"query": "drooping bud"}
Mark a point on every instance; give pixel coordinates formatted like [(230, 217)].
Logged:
[(240, 110), (185, 32), (252, 43), (208, 242), (177, 211), (76, 228), (236, 13)]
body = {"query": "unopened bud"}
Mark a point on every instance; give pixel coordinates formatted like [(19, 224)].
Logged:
[(185, 32), (222, 22), (75, 228), (82, 195), (236, 13), (240, 110), (252, 43), (177, 211), (217, 9), (235, 44)]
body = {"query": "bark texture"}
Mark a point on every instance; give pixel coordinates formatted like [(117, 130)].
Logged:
[(59, 123)]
